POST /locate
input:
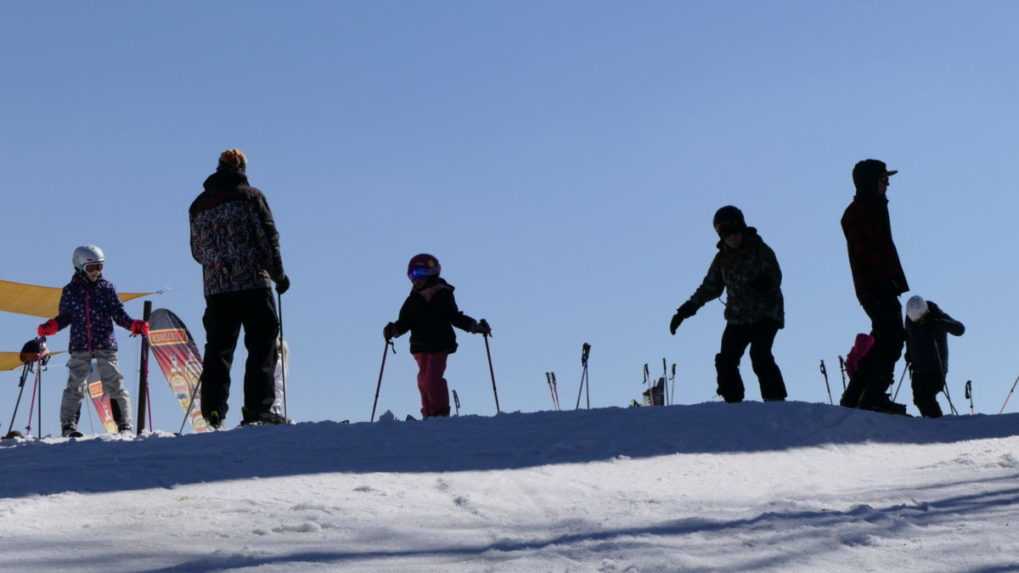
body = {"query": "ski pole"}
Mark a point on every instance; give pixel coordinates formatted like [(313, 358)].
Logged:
[(551, 393), (824, 373), (585, 354), (647, 382), (31, 403), (378, 386), (901, 378), (673, 390), (969, 395), (665, 382), (20, 389), (38, 381), (842, 367), (191, 405), (283, 351), (944, 373), (555, 391), (491, 371), (585, 350), (456, 402), (1008, 396)]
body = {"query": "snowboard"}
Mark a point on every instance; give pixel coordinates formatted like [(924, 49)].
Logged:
[(177, 355)]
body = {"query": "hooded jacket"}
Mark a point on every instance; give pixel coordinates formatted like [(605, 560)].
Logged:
[(233, 235), (430, 313), (927, 340), (751, 279), (90, 309)]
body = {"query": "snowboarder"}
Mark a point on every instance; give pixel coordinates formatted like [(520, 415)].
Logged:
[(430, 313), (747, 270), (89, 304), (927, 351), (878, 279), (234, 238)]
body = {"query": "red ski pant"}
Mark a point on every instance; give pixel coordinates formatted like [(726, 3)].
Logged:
[(434, 394)]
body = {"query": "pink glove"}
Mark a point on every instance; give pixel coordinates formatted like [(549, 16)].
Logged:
[(48, 328), (139, 327)]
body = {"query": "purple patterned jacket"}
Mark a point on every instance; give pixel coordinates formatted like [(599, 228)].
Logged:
[(91, 308)]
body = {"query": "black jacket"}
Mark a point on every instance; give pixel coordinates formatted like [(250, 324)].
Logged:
[(873, 258), (430, 313), (927, 342)]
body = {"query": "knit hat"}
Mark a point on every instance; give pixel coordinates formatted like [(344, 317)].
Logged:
[(232, 160)]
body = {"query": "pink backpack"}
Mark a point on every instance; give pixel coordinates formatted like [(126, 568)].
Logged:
[(861, 347)]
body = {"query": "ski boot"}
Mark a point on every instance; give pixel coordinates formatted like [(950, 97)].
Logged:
[(69, 431)]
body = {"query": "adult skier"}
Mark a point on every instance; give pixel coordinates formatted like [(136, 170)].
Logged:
[(234, 238), (927, 351), (745, 268), (430, 313), (90, 305), (879, 280)]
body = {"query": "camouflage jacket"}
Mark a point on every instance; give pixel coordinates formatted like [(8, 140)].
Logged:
[(751, 278), (233, 236)]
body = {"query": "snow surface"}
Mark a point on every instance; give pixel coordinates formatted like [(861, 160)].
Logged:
[(710, 487)]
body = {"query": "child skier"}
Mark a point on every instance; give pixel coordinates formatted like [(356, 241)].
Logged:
[(89, 304), (927, 351), (430, 313)]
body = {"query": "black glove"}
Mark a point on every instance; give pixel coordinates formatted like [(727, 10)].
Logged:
[(283, 285), (482, 327), (685, 311), (761, 283), (390, 331), (677, 319)]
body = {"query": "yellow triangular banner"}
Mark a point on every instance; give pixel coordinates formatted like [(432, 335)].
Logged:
[(41, 301)]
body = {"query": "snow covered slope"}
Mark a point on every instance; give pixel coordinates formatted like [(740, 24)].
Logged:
[(748, 487)]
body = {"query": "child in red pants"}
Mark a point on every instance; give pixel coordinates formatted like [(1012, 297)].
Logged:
[(430, 313)]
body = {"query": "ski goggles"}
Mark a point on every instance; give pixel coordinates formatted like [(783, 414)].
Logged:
[(421, 272), (93, 267)]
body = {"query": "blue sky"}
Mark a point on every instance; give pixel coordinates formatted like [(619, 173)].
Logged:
[(563, 160)]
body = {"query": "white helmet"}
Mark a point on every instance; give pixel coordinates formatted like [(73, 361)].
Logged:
[(87, 255), (916, 308)]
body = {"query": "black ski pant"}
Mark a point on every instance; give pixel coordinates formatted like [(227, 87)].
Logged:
[(760, 337), (876, 373), (926, 386), (225, 314)]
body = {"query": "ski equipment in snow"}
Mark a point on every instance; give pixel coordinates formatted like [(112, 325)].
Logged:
[(585, 353), (33, 353), (842, 367), (553, 389), (279, 405), (901, 378), (969, 395), (824, 373), (456, 402), (283, 354), (672, 391), (1008, 396)]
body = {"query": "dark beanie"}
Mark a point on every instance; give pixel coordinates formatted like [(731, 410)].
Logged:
[(729, 216)]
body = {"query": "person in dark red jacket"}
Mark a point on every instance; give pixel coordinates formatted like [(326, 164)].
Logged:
[(879, 280), (430, 313)]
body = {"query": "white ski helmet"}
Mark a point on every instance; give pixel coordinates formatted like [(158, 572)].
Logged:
[(87, 255), (916, 308)]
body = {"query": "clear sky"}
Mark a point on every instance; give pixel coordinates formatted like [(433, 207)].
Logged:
[(562, 159)]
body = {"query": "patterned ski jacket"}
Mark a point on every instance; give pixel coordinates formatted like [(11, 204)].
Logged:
[(927, 340), (751, 279), (91, 308), (430, 313), (233, 236), (873, 258)]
